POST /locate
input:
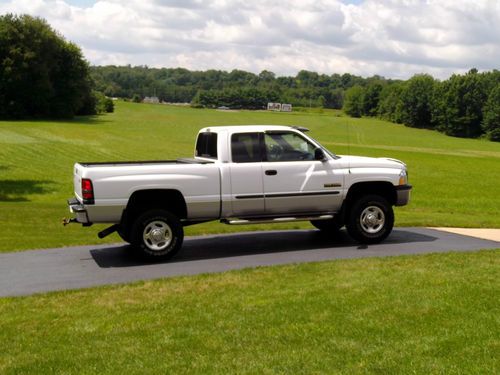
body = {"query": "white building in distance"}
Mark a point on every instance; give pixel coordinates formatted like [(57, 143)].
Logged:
[(285, 107), (274, 107), (151, 100)]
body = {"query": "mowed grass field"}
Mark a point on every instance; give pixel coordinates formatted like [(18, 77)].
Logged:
[(456, 181), (430, 314)]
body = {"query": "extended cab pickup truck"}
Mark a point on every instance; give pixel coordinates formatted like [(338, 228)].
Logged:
[(240, 175)]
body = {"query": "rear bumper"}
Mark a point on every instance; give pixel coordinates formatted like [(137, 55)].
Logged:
[(79, 210), (403, 194)]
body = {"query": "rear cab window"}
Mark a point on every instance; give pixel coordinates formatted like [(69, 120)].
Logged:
[(245, 148), (206, 145)]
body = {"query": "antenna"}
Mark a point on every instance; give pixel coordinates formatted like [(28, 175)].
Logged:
[(348, 146)]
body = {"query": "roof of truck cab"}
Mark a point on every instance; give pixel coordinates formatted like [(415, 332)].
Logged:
[(246, 128)]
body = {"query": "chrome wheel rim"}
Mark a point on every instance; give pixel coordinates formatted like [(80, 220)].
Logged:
[(372, 219), (157, 235)]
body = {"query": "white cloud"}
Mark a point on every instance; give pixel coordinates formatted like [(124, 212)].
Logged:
[(394, 38)]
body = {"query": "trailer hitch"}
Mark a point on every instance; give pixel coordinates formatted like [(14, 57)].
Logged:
[(66, 221)]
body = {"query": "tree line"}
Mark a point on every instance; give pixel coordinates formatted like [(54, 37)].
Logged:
[(466, 105), (213, 88)]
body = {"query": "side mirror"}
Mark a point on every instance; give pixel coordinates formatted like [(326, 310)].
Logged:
[(319, 154)]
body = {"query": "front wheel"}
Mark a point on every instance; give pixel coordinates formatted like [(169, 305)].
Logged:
[(157, 234), (371, 219)]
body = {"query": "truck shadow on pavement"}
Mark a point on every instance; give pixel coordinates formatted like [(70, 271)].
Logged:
[(251, 243)]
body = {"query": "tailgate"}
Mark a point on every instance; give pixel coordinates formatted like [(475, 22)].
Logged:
[(77, 180)]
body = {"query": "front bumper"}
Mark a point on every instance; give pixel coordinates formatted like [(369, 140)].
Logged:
[(79, 210), (403, 194)]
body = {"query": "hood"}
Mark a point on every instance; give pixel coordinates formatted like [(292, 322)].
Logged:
[(366, 162)]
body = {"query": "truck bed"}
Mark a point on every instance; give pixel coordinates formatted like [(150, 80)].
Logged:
[(142, 162), (114, 183)]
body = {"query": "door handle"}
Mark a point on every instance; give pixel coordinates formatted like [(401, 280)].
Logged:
[(271, 172)]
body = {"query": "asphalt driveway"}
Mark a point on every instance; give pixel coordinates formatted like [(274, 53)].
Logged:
[(35, 271)]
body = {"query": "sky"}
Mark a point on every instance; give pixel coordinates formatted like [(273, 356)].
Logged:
[(392, 38)]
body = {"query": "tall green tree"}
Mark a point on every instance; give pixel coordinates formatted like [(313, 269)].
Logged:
[(41, 74), (334, 98), (389, 105), (353, 101), (491, 115), (459, 105), (416, 101), (371, 98), (306, 78)]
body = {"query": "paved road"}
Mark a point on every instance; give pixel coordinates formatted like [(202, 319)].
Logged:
[(37, 271)]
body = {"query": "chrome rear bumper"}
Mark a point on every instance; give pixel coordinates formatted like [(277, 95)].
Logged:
[(79, 210)]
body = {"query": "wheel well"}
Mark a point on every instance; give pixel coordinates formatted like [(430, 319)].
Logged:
[(384, 189), (143, 200)]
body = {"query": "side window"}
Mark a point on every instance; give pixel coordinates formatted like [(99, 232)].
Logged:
[(245, 148), (285, 146), (206, 145)]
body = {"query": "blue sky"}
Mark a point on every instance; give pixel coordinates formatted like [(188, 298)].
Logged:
[(393, 38), (81, 3)]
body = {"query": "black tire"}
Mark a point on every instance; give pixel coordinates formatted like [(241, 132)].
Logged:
[(157, 234), (370, 220), (331, 226)]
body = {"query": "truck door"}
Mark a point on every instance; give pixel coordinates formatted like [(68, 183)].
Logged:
[(247, 190), (293, 181)]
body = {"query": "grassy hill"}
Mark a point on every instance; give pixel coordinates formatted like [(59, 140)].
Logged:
[(455, 180)]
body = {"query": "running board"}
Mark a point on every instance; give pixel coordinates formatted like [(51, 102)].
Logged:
[(275, 220)]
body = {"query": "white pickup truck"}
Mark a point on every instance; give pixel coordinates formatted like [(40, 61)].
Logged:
[(240, 175)]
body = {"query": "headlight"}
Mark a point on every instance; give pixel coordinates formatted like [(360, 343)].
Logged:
[(403, 177)]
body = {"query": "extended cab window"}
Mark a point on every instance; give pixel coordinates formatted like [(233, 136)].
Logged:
[(206, 145), (287, 146), (245, 148)]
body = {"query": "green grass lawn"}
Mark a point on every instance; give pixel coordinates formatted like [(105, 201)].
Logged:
[(429, 314), (455, 180)]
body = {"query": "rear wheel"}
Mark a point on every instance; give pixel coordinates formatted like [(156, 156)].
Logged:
[(157, 234), (371, 219)]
